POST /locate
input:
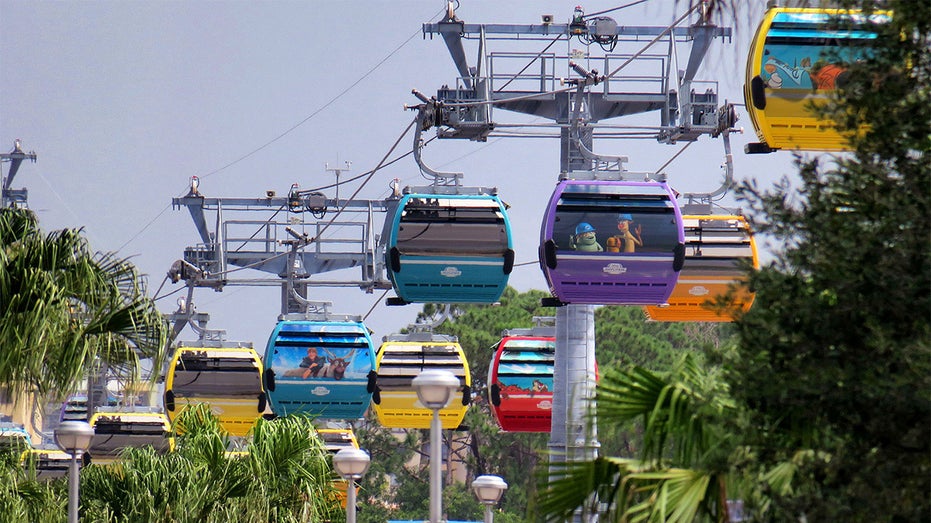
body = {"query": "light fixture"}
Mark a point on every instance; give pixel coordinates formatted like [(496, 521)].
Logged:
[(351, 464), (488, 490), (74, 437), (434, 390)]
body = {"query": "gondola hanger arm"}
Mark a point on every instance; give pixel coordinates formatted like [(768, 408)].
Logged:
[(426, 118), (728, 175)]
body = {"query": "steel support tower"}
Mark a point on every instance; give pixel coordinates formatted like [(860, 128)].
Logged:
[(640, 72)]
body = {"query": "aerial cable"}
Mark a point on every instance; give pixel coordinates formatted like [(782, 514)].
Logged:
[(261, 228), (172, 293), (372, 309), (336, 215), (614, 9), (282, 135), (560, 91), (686, 146), (165, 279), (354, 178), (318, 111), (567, 89), (470, 153), (514, 99), (147, 225), (369, 178), (516, 75), (653, 41)]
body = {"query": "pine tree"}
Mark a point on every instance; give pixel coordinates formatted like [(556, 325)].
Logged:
[(833, 364)]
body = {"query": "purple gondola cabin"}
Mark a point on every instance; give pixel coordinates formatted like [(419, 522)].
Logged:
[(612, 242)]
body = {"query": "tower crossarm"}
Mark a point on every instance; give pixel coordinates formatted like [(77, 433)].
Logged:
[(640, 66), (257, 233)]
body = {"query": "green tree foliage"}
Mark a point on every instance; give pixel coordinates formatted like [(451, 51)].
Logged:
[(831, 370), (682, 472), (284, 476), (24, 500), (622, 337), (63, 308), (833, 363), (479, 327)]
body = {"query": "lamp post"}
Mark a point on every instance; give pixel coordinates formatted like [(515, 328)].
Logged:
[(351, 464), (434, 390), (73, 437), (488, 490)]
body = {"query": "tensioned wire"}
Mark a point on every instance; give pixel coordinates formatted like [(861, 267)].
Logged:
[(286, 132)]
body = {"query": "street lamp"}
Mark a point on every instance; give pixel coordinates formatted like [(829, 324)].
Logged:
[(73, 437), (351, 464), (488, 490), (434, 390)]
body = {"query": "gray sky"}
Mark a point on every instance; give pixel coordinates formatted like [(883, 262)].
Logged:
[(125, 101)]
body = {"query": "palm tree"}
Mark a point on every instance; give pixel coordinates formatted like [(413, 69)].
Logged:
[(283, 476), (63, 308), (682, 471)]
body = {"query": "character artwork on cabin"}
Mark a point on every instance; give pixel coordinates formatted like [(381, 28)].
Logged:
[(627, 240), (585, 238), (312, 365)]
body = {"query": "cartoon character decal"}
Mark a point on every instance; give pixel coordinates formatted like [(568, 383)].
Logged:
[(627, 240), (818, 74), (525, 388), (634, 232), (585, 239), (319, 363)]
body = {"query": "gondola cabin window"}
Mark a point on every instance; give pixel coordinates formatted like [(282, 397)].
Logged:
[(616, 220), (806, 50), (444, 226), (797, 58), (717, 244), (218, 373)]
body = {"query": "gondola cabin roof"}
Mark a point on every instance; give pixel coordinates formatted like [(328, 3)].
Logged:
[(338, 439), (717, 249), (74, 408), (611, 242), (115, 430), (47, 463), (449, 248), (227, 379), (798, 58), (14, 436), (321, 368), (399, 362)]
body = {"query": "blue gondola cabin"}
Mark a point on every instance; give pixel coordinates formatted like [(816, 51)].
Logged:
[(320, 368), (453, 248)]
